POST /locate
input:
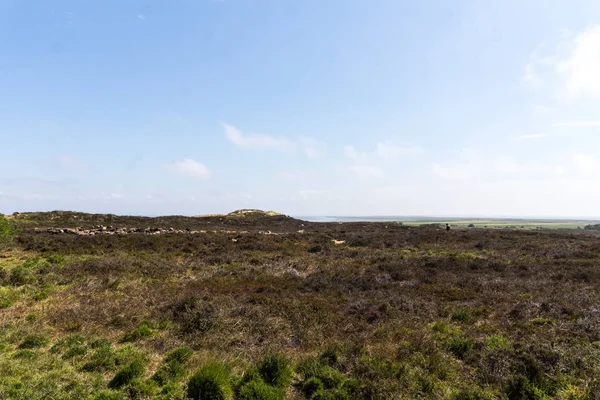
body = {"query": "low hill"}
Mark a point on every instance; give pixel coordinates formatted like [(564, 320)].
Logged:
[(70, 219)]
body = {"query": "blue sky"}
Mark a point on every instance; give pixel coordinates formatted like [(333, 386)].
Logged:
[(313, 107)]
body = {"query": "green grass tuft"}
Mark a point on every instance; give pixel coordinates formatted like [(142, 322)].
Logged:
[(212, 381), (276, 370), (259, 390), (127, 373)]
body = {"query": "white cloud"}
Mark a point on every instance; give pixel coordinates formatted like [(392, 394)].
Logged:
[(190, 168), (295, 176), (577, 124), (507, 165), (530, 75), (113, 196), (586, 164), (532, 136), (570, 69), (351, 153), (36, 196), (580, 69), (389, 151), (141, 16), (240, 139), (366, 171), (311, 148), (453, 172)]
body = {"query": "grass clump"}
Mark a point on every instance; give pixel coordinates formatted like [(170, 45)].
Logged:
[(33, 341), (173, 366), (259, 390), (143, 331), (497, 342), (102, 359), (311, 386), (127, 373), (541, 321), (211, 381), (8, 296), (461, 316), (276, 370), (459, 346), (109, 395)]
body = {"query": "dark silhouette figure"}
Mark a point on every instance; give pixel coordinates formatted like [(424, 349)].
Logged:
[(447, 227)]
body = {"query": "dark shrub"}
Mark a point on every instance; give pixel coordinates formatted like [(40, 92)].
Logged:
[(519, 388), (195, 316)]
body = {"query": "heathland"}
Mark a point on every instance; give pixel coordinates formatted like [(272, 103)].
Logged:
[(263, 306)]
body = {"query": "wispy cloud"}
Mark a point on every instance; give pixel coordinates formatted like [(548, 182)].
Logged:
[(386, 151), (113, 196), (141, 16), (389, 151), (366, 171), (353, 154), (577, 124), (37, 196), (253, 141), (309, 147), (295, 175), (533, 136), (190, 168), (453, 172)]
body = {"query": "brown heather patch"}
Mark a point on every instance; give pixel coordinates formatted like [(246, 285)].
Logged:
[(409, 312)]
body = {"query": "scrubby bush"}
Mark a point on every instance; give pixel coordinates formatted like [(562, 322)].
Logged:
[(276, 370), (21, 275), (195, 316), (127, 373), (211, 381), (6, 229)]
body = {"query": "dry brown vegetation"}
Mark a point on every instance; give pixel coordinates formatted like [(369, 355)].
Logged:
[(393, 312)]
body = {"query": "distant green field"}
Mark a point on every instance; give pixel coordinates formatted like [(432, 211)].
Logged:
[(508, 224)]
